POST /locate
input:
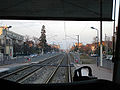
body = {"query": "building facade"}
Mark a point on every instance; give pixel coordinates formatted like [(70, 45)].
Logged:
[(7, 39)]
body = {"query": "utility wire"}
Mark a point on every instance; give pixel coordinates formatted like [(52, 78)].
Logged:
[(65, 34)]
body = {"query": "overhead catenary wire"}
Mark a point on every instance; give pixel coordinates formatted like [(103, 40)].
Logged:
[(65, 34)]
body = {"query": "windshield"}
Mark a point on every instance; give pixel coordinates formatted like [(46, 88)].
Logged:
[(35, 52)]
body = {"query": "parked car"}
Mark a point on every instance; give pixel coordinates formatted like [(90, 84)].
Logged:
[(94, 55), (32, 55), (109, 57)]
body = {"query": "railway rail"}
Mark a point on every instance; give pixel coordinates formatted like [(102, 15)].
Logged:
[(27, 70), (66, 75), (52, 64)]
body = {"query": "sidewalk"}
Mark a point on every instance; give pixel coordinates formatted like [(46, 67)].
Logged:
[(99, 72)]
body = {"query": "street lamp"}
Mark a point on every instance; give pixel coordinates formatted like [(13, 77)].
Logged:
[(97, 46), (9, 27), (6, 38), (97, 33)]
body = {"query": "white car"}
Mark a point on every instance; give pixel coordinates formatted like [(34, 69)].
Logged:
[(109, 57), (32, 55)]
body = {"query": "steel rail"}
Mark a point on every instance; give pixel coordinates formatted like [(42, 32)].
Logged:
[(28, 75), (32, 73), (69, 69), (25, 68), (49, 79)]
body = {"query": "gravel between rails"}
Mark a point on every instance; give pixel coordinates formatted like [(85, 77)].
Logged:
[(23, 72), (41, 75), (60, 76), (45, 70)]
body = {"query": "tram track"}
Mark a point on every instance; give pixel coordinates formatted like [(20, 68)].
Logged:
[(26, 71), (52, 70), (62, 73)]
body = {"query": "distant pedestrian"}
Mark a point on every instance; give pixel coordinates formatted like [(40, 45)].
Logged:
[(28, 60)]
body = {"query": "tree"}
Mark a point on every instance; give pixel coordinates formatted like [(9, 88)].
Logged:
[(35, 40), (17, 51), (42, 39)]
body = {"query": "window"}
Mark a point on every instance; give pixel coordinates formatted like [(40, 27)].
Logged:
[(50, 51)]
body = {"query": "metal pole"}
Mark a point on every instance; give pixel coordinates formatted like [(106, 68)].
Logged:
[(78, 42), (9, 46), (97, 43), (97, 46), (101, 60), (5, 44), (114, 33), (116, 70)]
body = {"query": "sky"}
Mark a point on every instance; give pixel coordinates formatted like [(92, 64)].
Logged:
[(61, 32)]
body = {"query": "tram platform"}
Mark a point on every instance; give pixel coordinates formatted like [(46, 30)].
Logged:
[(98, 71)]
